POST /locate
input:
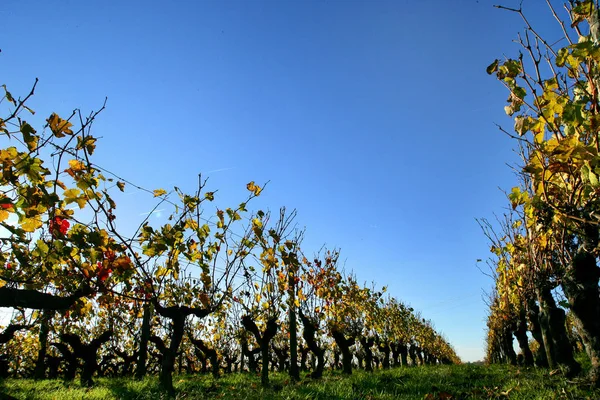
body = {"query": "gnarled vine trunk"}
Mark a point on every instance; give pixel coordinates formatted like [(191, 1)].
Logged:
[(367, 343), (580, 285), (309, 335), (533, 312), (385, 349), (69, 358), (344, 345), (556, 342), (209, 353), (40, 365), (263, 339), (250, 354), (88, 353), (521, 335), (177, 315), (141, 367)]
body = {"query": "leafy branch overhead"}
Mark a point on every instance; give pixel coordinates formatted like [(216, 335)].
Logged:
[(551, 237)]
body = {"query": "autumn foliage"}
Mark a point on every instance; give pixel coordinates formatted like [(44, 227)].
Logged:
[(545, 249), (196, 293)]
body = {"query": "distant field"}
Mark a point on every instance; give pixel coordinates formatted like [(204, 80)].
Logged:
[(429, 383)]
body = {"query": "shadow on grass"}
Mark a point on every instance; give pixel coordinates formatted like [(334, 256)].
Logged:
[(119, 388), (15, 388), (128, 388), (406, 383), (4, 391)]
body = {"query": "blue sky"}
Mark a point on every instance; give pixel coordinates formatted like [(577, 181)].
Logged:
[(374, 119)]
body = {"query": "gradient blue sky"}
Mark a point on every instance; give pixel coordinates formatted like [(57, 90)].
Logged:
[(374, 119)]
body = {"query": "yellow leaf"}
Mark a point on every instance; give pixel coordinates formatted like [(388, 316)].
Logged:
[(159, 192), (86, 269), (76, 165), (70, 193), (59, 126), (254, 188), (539, 137), (31, 224), (191, 224), (160, 272), (3, 215), (537, 125), (7, 155), (81, 202)]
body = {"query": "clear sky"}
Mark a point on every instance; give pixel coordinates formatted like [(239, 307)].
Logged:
[(374, 119)]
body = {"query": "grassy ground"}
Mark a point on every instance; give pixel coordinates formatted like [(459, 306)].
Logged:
[(426, 383)]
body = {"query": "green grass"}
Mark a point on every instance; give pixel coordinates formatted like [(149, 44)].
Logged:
[(429, 383)]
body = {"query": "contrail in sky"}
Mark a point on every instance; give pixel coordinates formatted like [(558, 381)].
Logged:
[(152, 212), (220, 170)]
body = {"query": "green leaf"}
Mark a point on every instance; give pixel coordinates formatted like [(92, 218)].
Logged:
[(233, 215), (510, 69), (564, 304), (73, 196), (580, 12), (551, 84), (493, 67), (588, 174), (573, 114), (519, 92), (517, 197), (32, 167), (561, 57), (582, 50), (9, 96), (149, 251), (29, 136), (593, 179), (42, 247)]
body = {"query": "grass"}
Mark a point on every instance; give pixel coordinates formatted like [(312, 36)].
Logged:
[(426, 383)]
